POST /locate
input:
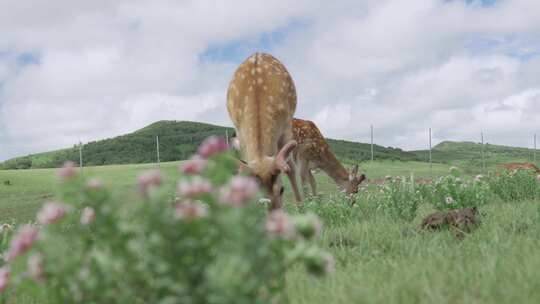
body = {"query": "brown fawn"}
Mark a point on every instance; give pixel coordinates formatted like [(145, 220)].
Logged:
[(314, 152), (261, 101)]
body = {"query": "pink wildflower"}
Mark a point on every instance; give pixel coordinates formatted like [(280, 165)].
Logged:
[(67, 172), (35, 267), (280, 224), (51, 212), (189, 210), (239, 191), (88, 215), (22, 241), (212, 145), (4, 278), (195, 165), (478, 178), (94, 184), (197, 186), (148, 180)]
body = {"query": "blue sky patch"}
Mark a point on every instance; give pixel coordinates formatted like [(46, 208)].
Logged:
[(509, 45), (239, 50)]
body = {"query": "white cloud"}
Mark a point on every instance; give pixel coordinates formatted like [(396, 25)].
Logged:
[(106, 68)]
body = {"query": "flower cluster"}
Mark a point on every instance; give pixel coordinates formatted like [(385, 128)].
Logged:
[(68, 172), (195, 187), (211, 146), (240, 190), (25, 237), (195, 165), (180, 237), (51, 212), (149, 180), (190, 210)]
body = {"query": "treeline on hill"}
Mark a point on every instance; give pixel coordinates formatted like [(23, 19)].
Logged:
[(177, 140), (353, 152)]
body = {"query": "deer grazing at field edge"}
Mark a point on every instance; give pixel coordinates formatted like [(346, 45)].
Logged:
[(520, 166), (314, 152), (261, 101)]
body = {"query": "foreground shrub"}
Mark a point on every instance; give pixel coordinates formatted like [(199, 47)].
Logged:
[(452, 192), (400, 197), (515, 185), (199, 240)]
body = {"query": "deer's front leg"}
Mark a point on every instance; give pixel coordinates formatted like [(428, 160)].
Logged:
[(292, 178), (312, 182), (303, 168)]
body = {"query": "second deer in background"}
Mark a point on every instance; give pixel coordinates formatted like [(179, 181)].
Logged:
[(314, 152)]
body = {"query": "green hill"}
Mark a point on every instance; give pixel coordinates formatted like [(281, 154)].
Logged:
[(178, 140), (469, 154)]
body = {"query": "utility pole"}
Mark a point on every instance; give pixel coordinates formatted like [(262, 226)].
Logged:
[(157, 149), (227, 137), (371, 143), (534, 153), (430, 159), (80, 157), (483, 159)]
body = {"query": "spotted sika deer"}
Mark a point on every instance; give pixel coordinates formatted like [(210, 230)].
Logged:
[(261, 101), (314, 152)]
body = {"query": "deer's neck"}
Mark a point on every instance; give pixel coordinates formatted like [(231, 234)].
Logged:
[(331, 166)]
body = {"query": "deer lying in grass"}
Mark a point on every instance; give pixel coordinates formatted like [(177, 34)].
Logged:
[(261, 101), (314, 152)]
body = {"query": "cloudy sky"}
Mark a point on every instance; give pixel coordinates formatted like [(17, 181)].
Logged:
[(75, 71)]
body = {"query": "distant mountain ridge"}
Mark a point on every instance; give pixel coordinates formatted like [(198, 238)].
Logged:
[(179, 140), (466, 153)]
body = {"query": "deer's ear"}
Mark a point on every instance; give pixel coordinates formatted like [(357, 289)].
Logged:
[(361, 178), (353, 173), (355, 170), (282, 156)]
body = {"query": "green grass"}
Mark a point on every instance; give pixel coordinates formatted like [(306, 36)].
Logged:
[(378, 259), (383, 261), (30, 188)]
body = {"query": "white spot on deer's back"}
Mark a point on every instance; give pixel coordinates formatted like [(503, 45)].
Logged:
[(252, 71), (259, 80), (252, 59), (258, 69)]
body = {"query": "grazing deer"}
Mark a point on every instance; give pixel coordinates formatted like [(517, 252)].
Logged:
[(520, 166), (314, 152), (261, 101)]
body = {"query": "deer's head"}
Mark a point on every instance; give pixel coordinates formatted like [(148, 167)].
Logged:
[(351, 187)]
